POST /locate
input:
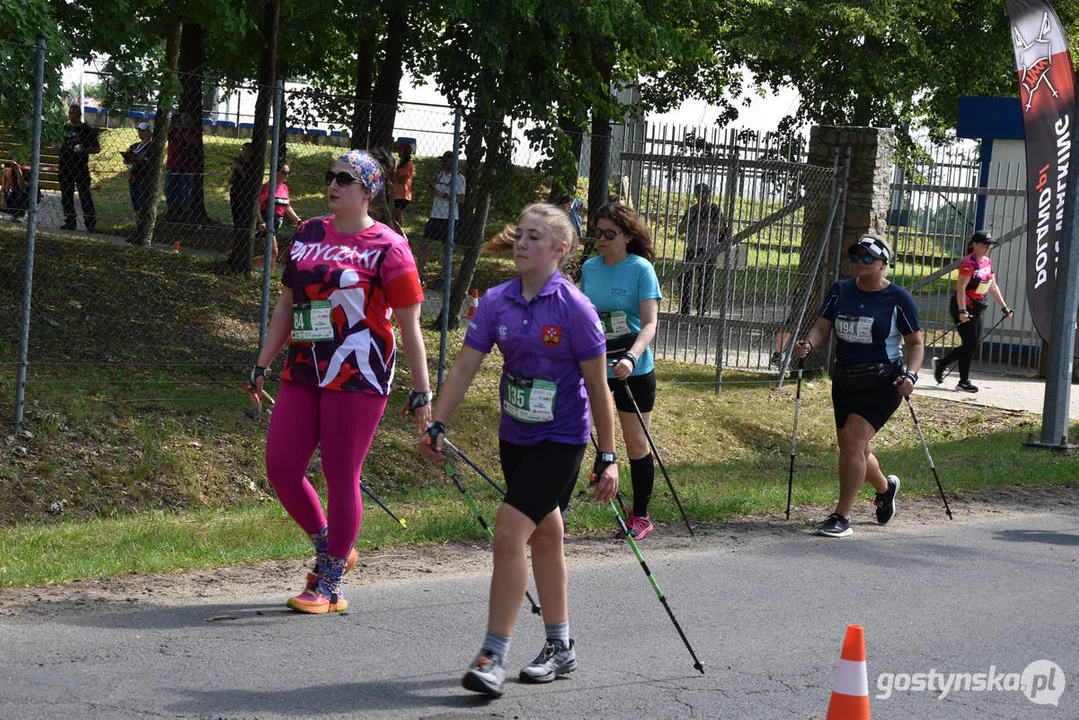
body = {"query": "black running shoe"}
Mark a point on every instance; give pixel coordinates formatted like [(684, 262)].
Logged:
[(776, 360), (965, 386), (835, 526), (486, 675), (885, 501), (938, 370), (555, 659)]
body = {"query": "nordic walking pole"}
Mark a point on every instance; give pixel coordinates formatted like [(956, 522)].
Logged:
[(452, 472), (379, 503), (794, 434), (474, 466), (655, 586), (659, 460), (931, 465), (980, 341)]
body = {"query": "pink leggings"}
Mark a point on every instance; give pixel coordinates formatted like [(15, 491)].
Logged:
[(344, 424)]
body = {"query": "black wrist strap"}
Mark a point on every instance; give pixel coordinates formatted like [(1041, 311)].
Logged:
[(598, 467), (628, 355), (434, 429), (417, 399), (257, 372)]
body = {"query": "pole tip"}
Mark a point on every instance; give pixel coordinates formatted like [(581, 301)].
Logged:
[(699, 668)]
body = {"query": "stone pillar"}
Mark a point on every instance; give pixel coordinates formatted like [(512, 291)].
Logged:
[(869, 188)]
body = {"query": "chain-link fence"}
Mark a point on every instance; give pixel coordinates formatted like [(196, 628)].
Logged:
[(738, 220), (152, 221)]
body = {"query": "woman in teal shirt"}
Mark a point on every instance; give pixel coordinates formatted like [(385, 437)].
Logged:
[(622, 284)]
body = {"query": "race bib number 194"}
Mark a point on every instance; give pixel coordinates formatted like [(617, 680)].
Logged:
[(857, 330)]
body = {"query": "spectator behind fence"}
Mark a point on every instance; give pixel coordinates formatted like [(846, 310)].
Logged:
[(137, 159), (703, 227), (181, 162), (242, 176), (16, 189), (281, 208), (402, 181), (80, 142), (572, 207), (438, 225)]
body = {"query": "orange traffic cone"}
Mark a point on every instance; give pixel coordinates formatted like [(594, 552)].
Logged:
[(473, 304), (176, 246), (850, 698)]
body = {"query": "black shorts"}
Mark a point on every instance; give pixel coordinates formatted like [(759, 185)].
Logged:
[(875, 404), (400, 203), (643, 388), (537, 475), (438, 229)]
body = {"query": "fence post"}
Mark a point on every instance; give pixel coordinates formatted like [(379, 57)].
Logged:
[(447, 271), (271, 230), (728, 271), (31, 232)]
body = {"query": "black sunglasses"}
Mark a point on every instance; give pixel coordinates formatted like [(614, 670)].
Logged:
[(866, 259), (343, 179), (609, 234)]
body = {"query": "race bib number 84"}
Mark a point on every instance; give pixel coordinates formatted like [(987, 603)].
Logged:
[(857, 330)]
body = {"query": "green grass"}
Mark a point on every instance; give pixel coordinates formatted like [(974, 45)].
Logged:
[(142, 455), (308, 164), (727, 454)]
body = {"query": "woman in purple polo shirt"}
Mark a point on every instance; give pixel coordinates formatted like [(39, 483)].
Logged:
[(554, 370)]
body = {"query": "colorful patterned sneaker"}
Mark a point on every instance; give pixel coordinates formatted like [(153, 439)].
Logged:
[(629, 524), (885, 501), (642, 525), (314, 602), (554, 660), (312, 577), (486, 675), (835, 526)]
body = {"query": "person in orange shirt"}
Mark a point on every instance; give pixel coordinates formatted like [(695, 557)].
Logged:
[(402, 180)]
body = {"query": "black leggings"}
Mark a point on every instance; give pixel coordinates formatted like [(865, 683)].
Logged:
[(969, 333)]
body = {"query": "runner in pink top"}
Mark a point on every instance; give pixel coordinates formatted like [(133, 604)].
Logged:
[(345, 276), (976, 280)]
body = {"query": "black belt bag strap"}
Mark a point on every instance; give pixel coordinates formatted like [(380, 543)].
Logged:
[(863, 376)]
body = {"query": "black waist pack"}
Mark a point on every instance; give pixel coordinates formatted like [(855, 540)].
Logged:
[(863, 376)]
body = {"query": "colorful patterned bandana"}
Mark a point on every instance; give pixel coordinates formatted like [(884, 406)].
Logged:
[(367, 169)]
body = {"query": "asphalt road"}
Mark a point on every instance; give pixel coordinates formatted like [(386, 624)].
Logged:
[(767, 618)]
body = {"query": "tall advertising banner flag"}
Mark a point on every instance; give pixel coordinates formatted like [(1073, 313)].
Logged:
[(1047, 95)]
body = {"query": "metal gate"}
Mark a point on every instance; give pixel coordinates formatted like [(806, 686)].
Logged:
[(730, 297), (938, 199)]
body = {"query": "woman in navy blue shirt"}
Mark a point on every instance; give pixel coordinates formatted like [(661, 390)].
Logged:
[(873, 320)]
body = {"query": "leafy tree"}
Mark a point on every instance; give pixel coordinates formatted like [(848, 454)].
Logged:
[(20, 24), (890, 63)]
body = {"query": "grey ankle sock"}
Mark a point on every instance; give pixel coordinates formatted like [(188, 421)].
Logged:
[(498, 644), (558, 631)]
